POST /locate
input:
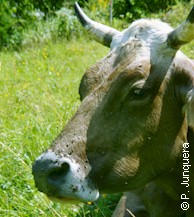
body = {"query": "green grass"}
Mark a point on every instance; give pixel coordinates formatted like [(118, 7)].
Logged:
[(38, 95)]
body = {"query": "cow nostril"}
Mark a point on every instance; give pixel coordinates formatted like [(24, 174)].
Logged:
[(59, 172)]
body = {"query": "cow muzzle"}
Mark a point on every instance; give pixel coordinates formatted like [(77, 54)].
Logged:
[(63, 178)]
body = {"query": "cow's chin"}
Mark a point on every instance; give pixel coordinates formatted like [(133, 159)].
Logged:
[(63, 200), (74, 199)]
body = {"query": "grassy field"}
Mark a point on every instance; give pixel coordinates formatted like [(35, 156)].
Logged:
[(38, 95)]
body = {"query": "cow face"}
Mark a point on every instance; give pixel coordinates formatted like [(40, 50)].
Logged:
[(135, 111), (131, 124)]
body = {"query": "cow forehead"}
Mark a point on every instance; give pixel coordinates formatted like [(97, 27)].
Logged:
[(148, 30), (145, 41), (131, 52)]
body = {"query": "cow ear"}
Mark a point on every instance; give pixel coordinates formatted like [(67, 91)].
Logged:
[(189, 107)]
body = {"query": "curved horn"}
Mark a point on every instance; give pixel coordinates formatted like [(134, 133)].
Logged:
[(182, 34), (101, 33)]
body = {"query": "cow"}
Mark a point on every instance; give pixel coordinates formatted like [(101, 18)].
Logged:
[(134, 129)]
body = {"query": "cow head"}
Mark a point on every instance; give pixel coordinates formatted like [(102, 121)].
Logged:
[(137, 104)]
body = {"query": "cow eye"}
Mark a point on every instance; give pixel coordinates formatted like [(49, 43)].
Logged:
[(138, 94)]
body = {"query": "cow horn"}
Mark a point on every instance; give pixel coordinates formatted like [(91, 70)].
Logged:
[(182, 34), (101, 33)]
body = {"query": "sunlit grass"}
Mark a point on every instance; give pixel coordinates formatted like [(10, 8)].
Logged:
[(38, 95)]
